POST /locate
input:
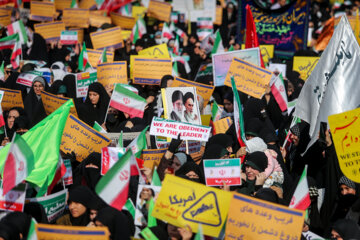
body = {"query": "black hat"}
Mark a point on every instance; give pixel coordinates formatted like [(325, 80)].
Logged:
[(257, 161)]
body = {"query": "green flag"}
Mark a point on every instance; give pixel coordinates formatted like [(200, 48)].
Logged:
[(151, 220), (155, 181)]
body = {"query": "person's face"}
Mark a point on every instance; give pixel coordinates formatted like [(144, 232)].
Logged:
[(229, 107), (251, 173), (145, 194), (94, 97), (192, 175), (346, 190), (11, 117), (189, 105), (294, 139), (38, 87), (335, 235), (76, 209), (169, 83), (138, 48), (176, 164), (290, 89), (178, 106), (93, 214)]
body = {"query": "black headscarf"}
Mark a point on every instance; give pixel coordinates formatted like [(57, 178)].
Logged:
[(83, 195), (19, 222), (221, 139), (38, 49), (58, 87), (188, 167), (88, 176), (347, 229), (37, 211), (267, 194), (8, 232), (116, 221)]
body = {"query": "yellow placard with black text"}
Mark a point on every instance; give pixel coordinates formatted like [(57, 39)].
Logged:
[(305, 65), (76, 17), (122, 21), (80, 33), (52, 102), (160, 51), (152, 157), (50, 31), (12, 98), (159, 10), (149, 70), (219, 15), (109, 38), (94, 56), (98, 20), (5, 20), (138, 11), (62, 4), (110, 73), (50, 232), (222, 125), (42, 11)]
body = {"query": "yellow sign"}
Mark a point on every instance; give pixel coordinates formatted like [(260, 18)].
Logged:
[(42, 11), (122, 21), (181, 202), (152, 157), (219, 15), (203, 91), (345, 130), (149, 70), (205, 119), (222, 125), (12, 98), (111, 73), (88, 4), (267, 52), (251, 218), (249, 78), (50, 232), (159, 10), (82, 139), (98, 20), (5, 20), (76, 17), (305, 65), (138, 11), (50, 31), (94, 56), (160, 50), (125, 34), (5, 11), (52, 102), (62, 4), (110, 38)]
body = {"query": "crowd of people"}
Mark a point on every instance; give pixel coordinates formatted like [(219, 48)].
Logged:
[(270, 172)]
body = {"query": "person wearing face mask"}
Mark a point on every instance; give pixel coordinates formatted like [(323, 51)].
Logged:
[(114, 120)]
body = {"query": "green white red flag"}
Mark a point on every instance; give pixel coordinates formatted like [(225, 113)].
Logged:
[(278, 90), (301, 198), (216, 111), (84, 63), (103, 58), (18, 27), (138, 30), (2, 72)]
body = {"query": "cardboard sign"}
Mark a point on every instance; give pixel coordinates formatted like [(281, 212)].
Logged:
[(192, 203), (14, 200), (82, 139), (80, 33), (125, 34), (52, 102), (68, 177), (50, 232), (251, 218), (42, 11), (5, 20), (111, 73), (88, 4), (76, 17), (83, 80), (62, 4), (141, 203), (157, 51), (193, 146), (267, 52), (220, 171), (169, 128), (138, 11), (222, 125), (54, 204), (249, 78), (278, 68), (148, 70), (305, 65), (98, 20), (122, 21), (109, 156), (152, 157), (219, 15), (50, 31), (110, 38), (11, 98), (345, 130), (159, 10), (203, 91), (94, 56)]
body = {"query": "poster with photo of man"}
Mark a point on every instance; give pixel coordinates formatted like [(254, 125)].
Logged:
[(181, 104)]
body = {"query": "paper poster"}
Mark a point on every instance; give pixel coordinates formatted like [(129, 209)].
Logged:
[(52, 102), (122, 21), (62, 4), (181, 104), (27, 78), (172, 129), (69, 37), (11, 98), (345, 130), (144, 194), (111, 73), (149, 70), (203, 91), (159, 10), (68, 177), (94, 56), (222, 125), (220, 171), (125, 34), (83, 80), (14, 200), (138, 11), (96, 20), (50, 31), (267, 52), (88, 4), (219, 15), (249, 78), (42, 11), (82, 139), (54, 204), (5, 20), (51, 232), (76, 17), (193, 204), (157, 51), (152, 157), (278, 68), (109, 38), (222, 62), (251, 218), (305, 65)]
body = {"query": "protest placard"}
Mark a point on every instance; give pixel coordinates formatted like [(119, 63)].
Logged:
[(159, 10), (172, 129), (62, 4), (5, 20), (144, 194), (345, 130), (11, 98), (111, 73), (76, 17), (125, 34), (94, 56), (138, 11), (222, 171), (193, 146), (157, 51), (13, 200), (278, 68), (152, 157), (219, 15), (52, 102), (82, 139), (83, 80), (27, 78), (54, 204), (222, 125), (68, 177), (69, 37), (109, 156), (149, 70), (51, 232), (50, 31), (203, 91), (222, 62), (251, 218), (88, 4), (109, 38), (96, 20), (122, 21), (249, 78), (42, 11), (80, 33), (267, 52), (305, 65), (192, 203)]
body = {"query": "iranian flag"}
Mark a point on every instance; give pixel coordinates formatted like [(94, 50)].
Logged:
[(180, 32), (166, 33), (103, 58), (172, 27), (2, 121), (138, 30), (8, 42), (175, 71), (216, 111), (2, 72), (18, 27), (301, 198), (109, 156), (69, 37), (59, 173), (16, 53), (113, 187), (218, 44), (139, 143), (129, 206), (128, 102), (18, 164), (74, 4), (176, 48), (98, 127), (84, 62), (279, 92)]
